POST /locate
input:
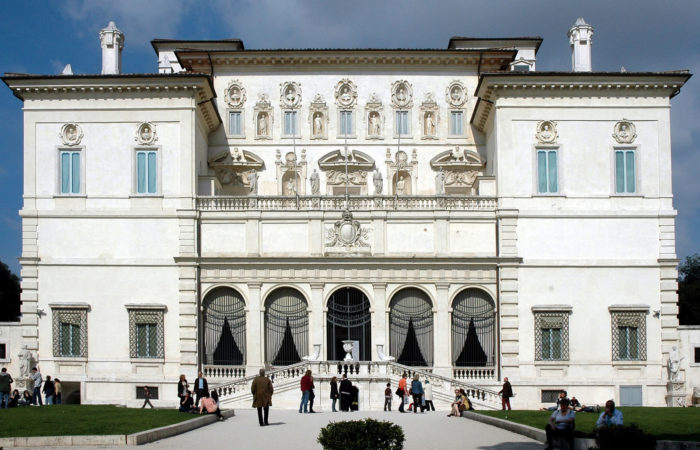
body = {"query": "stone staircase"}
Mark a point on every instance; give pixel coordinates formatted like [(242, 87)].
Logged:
[(370, 376)]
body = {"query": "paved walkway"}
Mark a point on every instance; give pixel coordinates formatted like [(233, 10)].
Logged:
[(291, 430)]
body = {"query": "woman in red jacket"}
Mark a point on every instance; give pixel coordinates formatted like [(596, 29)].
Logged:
[(306, 384)]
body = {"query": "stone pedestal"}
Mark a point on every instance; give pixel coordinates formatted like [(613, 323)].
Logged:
[(675, 394)]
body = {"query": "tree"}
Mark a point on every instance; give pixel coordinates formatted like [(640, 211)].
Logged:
[(9, 295), (689, 291)]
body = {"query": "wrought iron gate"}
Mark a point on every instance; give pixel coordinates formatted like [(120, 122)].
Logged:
[(286, 327), (473, 329), (224, 328), (411, 328), (348, 317)]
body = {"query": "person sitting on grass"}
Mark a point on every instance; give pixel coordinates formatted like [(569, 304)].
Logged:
[(186, 402), (209, 404), (611, 415), (561, 424), (578, 407), (562, 396), (14, 399), (26, 399)]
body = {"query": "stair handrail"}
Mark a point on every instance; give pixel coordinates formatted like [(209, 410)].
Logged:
[(477, 392), (229, 387)]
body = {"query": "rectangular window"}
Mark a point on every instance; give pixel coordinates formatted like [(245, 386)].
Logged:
[(629, 336), (70, 339), (551, 344), (147, 340), (3, 351), (625, 179), (550, 395), (146, 171), (402, 123), (547, 176), (456, 123), (290, 123), (345, 123), (629, 343), (697, 355), (70, 332), (552, 335), (70, 172), (235, 126)]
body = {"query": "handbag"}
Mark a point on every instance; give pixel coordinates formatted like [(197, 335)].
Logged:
[(399, 392)]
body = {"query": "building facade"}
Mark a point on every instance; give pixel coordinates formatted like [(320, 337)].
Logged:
[(452, 212)]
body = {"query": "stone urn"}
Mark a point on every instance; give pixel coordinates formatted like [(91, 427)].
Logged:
[(347, 346)]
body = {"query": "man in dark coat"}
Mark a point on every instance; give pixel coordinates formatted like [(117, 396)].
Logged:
[(262, 396), (201, 388), (345, 393), (506, 393)]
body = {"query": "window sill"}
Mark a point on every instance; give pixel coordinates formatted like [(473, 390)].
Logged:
[(291, 137), (631, 363), (548, 194), (70, 196), (235, 136), (347, 137), (623, 195), (146, 196), (408, 136), (552, 363), (82, 359), (154, 361)]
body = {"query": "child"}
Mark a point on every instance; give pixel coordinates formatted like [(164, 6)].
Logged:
[(387, 397)]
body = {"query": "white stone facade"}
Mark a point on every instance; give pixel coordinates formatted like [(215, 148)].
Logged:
[(467, 179)]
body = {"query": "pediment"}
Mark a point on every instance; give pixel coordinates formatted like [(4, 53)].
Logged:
[(236, 159), (458, 159), (338, 159)]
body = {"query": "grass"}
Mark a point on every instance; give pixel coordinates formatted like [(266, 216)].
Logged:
[(676, 424), (71, 420)]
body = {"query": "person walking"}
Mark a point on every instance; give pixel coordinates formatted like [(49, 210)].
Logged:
[(48, 390), (262, 396), (37, 380), (146, 397), (306, 383), (334, 392), (417, 394), (57, 389), (201, 388), (428, 396), (401, 391), (506, 393), (387, 397), (345, 393), (5, 388)]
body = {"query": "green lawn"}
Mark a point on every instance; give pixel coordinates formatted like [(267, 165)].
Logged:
[(678, 424), (67, 420)]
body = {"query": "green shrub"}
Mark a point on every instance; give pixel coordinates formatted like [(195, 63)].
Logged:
[(616, 437), (368, 434)]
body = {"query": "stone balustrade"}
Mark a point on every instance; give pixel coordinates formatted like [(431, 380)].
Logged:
[(338, 203), (474, 373), (223, 372)]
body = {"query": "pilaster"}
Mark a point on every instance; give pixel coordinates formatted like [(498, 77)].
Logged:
[(508, 295), (379, 320), (255, 330), (443, 344), (30, 283), (317, 324), (188, 291)]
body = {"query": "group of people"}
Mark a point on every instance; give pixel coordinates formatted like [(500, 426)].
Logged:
[(209, 400), (422, 396), (9, 398), (562, 422)]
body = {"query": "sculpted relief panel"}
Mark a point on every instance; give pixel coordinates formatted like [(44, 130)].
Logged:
[(235, 94), (146, 134), (71, 134), (624, 132), (456, 171), (345, 94), (290, 95), (546, 132)]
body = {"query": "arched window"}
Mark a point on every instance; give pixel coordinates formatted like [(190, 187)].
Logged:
[(224, 327), (411, 328), (286, 327), (348, 318), (473, 329)]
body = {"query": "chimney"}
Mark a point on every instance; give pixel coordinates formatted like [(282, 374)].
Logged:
[(112, 41), (580, 36)]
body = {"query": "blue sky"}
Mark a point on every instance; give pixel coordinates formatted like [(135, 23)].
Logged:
[(641, 35)]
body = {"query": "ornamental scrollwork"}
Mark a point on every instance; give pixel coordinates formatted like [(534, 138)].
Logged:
[(290, 94), (71, 134), (401, 94), (546, 132), (624, 132), (347, 233), (146, 133), (346, 93), (456, 94)]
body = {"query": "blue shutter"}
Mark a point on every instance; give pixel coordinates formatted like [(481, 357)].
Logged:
[(65, 172), (141, 172), (546, 347), (75, 172), (556, 343), (234, 126), (630, 396), (629, 171), (152, 171), (619, 171), (552, 171), (542, 171)]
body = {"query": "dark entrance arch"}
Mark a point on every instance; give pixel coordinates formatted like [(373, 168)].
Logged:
[(224, 327), (286, 327), (473, 329), (411, 328), (348, 318)]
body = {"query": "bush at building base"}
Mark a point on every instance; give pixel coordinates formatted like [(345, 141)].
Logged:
[(368, 434)]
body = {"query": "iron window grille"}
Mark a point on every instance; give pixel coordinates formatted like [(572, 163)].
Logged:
[(70, 333), (550, 395), (551, 336), (146, 334), (629, 336), (3, 351)]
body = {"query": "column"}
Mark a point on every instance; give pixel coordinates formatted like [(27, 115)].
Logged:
[(317, 324), (442, 329), (255, 333), (379, 320)]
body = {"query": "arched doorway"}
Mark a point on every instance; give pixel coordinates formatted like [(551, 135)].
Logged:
[(348, 318), (473, 329), (286, 327), (411, 328), (224, 328)]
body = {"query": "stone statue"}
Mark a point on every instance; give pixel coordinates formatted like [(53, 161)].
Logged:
[(25, 361), (262, 124), (440, 182), (378, 182), (253, 182), (374, 128), (315, 181), (318, 125), (400, 186), (429, 124), (291, 190), (674, 364)]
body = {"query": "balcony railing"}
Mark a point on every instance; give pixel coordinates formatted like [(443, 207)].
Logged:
[(339, 203)]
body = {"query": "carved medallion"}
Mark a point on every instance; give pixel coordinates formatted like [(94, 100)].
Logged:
[(71, 134), (146, 133), (624, 132), (401, 94), (546, 132), (235, 94), (345, 93), (456, 94), (347, 233), (290, 94)]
